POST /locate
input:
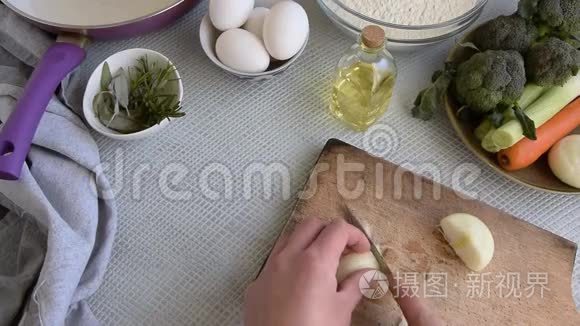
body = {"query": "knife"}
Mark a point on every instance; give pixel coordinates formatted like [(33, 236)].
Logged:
[(383, 267), (351, 218)]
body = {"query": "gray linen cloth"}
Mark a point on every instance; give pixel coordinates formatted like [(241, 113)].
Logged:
[(57, 223)]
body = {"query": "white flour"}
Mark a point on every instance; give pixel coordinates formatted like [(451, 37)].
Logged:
[(403, 12), (411, 12)]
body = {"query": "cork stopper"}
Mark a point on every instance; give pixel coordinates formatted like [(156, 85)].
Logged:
[(373, 36)]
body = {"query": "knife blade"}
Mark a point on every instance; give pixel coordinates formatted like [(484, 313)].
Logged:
[(352, 219)]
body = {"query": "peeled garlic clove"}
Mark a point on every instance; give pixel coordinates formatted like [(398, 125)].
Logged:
[(355, 262), (470, 238)]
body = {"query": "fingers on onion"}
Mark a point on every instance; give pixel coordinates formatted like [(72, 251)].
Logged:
[(354, 262)]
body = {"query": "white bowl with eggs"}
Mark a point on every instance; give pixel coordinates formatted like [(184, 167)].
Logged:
[(254, 42)]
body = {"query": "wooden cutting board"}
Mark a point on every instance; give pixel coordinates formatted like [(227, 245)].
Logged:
[(402, 212)]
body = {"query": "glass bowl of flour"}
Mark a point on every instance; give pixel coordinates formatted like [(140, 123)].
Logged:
[(407, 23)]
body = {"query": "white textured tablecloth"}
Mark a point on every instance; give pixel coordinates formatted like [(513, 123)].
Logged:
[(185, 259)]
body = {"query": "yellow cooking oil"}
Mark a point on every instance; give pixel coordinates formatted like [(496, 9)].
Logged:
[(357, 100), (365, 80)]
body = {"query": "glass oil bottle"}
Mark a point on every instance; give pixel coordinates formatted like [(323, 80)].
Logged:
[(365, 81)]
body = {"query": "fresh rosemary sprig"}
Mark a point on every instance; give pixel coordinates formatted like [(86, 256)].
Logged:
[(139, 99)]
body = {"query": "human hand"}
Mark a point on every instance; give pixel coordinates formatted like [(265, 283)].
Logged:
[(298, 284), (418, 312)]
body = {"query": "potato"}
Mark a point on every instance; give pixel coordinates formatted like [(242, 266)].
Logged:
[(564, 160)]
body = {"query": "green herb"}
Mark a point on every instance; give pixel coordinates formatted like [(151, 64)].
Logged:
[(106, 77), (527, 124), (432, 98), (137, 98)]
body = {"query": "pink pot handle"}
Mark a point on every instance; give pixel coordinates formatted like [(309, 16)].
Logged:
[(17, 133)]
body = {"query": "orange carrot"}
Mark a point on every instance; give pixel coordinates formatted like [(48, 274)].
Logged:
[(526, 151)]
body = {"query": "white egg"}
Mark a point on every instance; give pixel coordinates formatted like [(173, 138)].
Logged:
[(228, 14), (564, 160), (266, 3), (242, 51), (255, 22), (285, 30)]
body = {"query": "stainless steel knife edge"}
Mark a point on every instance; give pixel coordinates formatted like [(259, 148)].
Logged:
[(351, 218)]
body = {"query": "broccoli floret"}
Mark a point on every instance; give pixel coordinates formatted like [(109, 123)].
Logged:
[(506, 33), (552, 62), (560, 15), (489, 79)]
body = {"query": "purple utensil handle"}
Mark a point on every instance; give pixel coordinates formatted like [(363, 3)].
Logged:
[(17, 133)]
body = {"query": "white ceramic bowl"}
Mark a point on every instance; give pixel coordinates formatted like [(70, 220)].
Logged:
[(208, 35), (400, 37), (123, 59)]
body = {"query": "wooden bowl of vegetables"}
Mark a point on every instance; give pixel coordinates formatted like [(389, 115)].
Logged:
[(547, 114)]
